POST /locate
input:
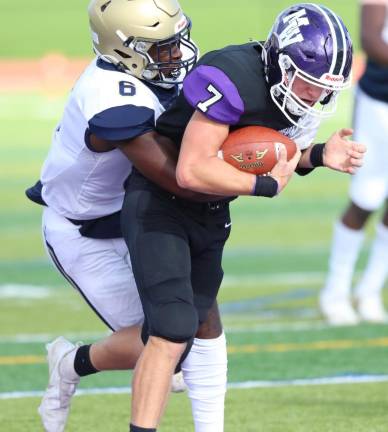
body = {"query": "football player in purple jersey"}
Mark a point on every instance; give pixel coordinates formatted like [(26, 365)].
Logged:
[(288, 83)]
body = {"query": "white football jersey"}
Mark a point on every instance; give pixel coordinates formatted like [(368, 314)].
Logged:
[(305, 135), (78, 182)]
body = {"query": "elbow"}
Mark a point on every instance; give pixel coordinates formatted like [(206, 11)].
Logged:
[(185, 177)]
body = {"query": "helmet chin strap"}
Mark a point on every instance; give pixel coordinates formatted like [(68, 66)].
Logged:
[(293, 107)]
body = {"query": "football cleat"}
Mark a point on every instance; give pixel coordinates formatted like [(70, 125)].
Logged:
[(178, 384), (339, 313), (371, 309), (55, 406)]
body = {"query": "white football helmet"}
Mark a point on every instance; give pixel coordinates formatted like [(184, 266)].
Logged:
[(123, 31)]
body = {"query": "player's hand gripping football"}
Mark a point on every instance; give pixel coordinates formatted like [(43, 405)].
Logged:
[(343, 154), (283, 170)]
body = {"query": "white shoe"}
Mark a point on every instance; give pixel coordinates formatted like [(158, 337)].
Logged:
[(338, 312), (371, 309), (55, 406), (178, 384)]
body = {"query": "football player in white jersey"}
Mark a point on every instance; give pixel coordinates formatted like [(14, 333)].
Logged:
[(143, 52), (369, 188)]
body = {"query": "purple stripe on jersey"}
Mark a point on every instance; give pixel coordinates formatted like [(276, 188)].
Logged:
[(212, 92)]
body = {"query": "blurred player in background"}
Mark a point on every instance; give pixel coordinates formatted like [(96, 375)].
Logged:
[(369, 187), (143, 52), (289, 83)]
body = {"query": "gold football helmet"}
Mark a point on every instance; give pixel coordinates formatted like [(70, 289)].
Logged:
[(123, 31)]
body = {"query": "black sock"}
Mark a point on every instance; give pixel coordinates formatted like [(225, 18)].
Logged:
[(82, 364), (133, 428)]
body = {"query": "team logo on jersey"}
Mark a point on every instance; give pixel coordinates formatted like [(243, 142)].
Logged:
[(292, 33)]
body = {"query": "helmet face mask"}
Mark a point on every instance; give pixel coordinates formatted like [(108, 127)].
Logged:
[(308, 44), (141, 38), (164, 66), (290, 102)]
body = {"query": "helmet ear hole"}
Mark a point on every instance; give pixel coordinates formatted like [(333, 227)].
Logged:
[(327, 99), (122, 54), (105, 5), (284, 62)]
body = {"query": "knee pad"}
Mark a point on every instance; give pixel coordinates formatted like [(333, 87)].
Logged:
[(174, 321)]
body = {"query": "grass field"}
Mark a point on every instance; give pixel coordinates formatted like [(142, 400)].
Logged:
[(63, 26), (288, 371)]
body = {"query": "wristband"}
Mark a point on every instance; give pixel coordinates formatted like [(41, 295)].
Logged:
[(265, 186), (316, 155)]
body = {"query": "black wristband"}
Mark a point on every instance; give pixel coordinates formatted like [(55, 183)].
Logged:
[(316, 155), (265, 186)]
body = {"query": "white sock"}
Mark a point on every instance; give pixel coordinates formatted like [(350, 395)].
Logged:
[(345, 248), (204, 372), (373, 278)]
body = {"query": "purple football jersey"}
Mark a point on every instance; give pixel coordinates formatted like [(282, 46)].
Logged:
[(212, 92)]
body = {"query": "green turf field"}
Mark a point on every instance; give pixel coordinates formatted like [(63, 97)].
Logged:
[(275, 263), (62, 26)]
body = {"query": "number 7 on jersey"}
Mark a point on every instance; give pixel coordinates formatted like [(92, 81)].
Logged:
[(204, 105)]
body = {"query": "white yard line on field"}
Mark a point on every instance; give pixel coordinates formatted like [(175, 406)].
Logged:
[(257, 328), (21, 291), (24, 291), (349, 379), (289, 278), (48, 337)]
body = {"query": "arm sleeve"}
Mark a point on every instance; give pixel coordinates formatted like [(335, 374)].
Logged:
[(211, 91), (122, 122)]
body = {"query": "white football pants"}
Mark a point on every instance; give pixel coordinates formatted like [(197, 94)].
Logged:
[(369, 186), (99, 269)]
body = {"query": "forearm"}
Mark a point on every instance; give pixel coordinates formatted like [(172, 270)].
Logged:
[(155, 157), (199, 168), (377, 51), (372, 24), (214, 176)]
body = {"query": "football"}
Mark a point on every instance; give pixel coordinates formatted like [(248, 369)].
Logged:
[(255, 149)]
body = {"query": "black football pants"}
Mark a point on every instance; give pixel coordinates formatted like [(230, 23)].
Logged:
[(176, 251)]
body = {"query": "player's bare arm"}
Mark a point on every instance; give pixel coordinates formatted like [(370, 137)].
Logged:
[(155, 157), (199, 167), (372, 25)]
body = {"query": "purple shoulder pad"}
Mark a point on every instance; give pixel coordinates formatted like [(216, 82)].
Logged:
[(212, 92)]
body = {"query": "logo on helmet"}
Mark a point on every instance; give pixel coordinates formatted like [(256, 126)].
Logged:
[(291, 33), (333, 78), (180, 25)]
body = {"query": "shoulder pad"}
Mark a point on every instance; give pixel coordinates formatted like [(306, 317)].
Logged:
[(211, 91)]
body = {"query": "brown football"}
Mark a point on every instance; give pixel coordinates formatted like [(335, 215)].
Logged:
[(255, 149)]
